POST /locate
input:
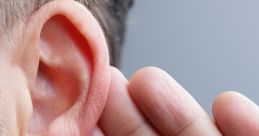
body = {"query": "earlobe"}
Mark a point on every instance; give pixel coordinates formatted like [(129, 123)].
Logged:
[(72, 80)]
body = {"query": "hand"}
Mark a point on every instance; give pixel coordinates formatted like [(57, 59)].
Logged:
[(152, 103)]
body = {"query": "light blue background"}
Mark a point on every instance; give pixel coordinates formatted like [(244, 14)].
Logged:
[(208, 46)]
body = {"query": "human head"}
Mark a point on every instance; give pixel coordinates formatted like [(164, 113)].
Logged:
[(55, 63)]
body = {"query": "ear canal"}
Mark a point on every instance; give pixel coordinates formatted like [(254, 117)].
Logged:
[(63, 78)]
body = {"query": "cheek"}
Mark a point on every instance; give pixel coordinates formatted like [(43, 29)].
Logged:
[(15, 105)]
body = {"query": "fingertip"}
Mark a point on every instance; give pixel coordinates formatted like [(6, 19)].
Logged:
[(147, 71), (147, 78), (118, 81), (228, 100), (117, 75), (223, 100), (97, 132), (235, 114), (120, 115), (167, 105), (147, 83)]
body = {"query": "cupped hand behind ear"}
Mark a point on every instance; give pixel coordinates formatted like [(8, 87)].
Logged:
[(152, 103), (64, 59)]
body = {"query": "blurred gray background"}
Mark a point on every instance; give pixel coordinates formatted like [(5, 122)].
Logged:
[(208, 46)]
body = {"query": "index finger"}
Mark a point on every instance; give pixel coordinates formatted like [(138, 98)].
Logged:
[(169, 107)]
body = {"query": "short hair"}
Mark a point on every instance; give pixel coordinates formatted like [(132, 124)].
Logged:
[(111, 14)]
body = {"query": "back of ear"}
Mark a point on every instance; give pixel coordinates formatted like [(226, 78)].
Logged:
[(71, 79)]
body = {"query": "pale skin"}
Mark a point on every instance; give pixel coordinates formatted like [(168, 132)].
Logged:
[(56, 80)]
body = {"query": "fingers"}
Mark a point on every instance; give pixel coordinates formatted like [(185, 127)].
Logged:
[(97, 132), (120, 116), (168, 106), (236, 115)]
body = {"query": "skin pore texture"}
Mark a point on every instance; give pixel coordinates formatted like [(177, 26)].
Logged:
[(63, 63), (56, 81)]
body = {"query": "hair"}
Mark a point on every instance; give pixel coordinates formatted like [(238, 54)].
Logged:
[(111, 14)]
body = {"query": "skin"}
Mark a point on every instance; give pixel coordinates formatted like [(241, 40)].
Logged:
[(158, 105), (56, 80)]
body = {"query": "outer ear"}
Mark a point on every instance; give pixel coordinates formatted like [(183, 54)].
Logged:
[(70, 85)]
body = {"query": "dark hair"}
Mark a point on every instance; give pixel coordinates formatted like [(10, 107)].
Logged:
[(111, 14)]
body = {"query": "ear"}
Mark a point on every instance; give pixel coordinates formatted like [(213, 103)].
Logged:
[(69, 69)]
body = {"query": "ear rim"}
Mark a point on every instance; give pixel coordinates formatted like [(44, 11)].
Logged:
[(91, 30)]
